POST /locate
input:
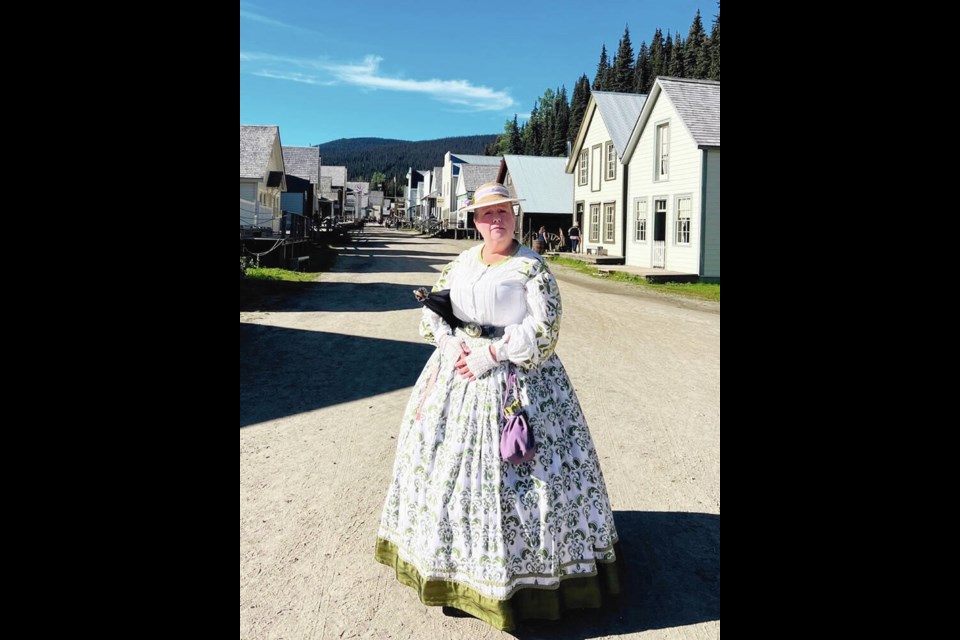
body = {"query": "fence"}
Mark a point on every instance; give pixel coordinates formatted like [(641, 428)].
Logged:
[(254, 214)]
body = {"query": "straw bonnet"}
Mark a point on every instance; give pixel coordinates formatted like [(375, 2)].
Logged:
[(488, 194)]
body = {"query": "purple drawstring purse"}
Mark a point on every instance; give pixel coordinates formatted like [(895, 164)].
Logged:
[(516, 436)]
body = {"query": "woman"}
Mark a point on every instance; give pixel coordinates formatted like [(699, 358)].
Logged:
[(466, 529)]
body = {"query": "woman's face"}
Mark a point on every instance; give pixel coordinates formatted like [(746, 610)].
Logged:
[(496, 223)]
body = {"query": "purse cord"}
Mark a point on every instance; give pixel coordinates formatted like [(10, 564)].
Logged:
[(511, 382)]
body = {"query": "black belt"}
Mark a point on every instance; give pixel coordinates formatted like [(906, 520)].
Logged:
[(475, 330)]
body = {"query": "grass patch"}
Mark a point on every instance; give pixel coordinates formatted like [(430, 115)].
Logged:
[(280, 274), (697, 290)]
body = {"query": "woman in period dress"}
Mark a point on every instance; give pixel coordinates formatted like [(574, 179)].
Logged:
[(466, 529)]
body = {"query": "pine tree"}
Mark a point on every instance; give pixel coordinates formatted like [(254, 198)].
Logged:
[(600, 81), (641, 73), (622, 73), (656, 56), (507, 140), (547, 120), (516, 140), (667, 55), (578, 105), (696, 58), (678, 66), (561, 123), (715, 47), (532, 135)]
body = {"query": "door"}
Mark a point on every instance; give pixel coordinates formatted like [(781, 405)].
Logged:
[(659, 259)]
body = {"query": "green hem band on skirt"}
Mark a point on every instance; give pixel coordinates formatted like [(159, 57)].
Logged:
[(528, 602)]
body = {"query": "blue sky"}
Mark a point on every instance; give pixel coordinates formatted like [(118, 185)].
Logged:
[(336, 69)]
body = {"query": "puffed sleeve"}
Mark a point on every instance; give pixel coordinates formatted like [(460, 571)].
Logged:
[(432, 326), (532, 341)]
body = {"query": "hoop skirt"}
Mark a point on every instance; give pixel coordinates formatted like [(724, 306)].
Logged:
[(466, 529)]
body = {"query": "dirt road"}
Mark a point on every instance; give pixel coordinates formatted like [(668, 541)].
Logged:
[(325, 372)]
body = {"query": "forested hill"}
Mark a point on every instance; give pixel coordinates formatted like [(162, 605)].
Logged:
[(363, 156)]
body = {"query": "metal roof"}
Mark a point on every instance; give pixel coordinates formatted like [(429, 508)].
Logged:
[(620, 112), (542, 183), (256, 145), (303, 162), (698, 103)]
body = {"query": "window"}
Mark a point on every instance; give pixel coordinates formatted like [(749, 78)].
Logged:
[(594, 223), (584, 155), (641, 233), (611, 162), (684, 208), (663, 151), (609, 213), (578, 219), (596, 169), (509, 180)]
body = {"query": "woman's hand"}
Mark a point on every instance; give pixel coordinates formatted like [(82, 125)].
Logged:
[(474, 364), (452, 349)]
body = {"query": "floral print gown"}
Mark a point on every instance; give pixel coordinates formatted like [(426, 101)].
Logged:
[(460, 525)]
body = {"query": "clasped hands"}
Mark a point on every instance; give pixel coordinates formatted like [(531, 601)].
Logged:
[(469, 364)]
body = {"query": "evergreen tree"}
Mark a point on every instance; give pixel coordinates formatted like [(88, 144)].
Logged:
[(656, 56), (546, 142), (547, 118), (622, 72), (561, 123), (532, 134), (578, 105), (715, 47), (603, 71), (506, 139), (678, 66), (641, 75), (667, 55), (696, 57), (516, 140)]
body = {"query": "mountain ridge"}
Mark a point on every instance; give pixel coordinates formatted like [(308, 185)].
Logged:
[(393, 157)]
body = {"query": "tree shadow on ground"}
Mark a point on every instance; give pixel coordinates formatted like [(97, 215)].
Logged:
[(275, 295), (360, 259), (673, 579), (284, 371)]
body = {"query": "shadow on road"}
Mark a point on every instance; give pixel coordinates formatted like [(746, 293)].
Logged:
[(273, 295), (284, 372), (673, 579), (361, 259)]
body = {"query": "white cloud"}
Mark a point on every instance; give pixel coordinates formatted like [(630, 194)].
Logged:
[(259, 17), (367, 74)]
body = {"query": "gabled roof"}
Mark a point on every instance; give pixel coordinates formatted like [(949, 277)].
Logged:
[(303, 162), (474, 175), (697, 103), (338, 174), (469, 159), (256, 145), (619, 112), (541, 182)]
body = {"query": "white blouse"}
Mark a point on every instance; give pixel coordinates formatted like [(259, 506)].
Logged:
[(518, 293)]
